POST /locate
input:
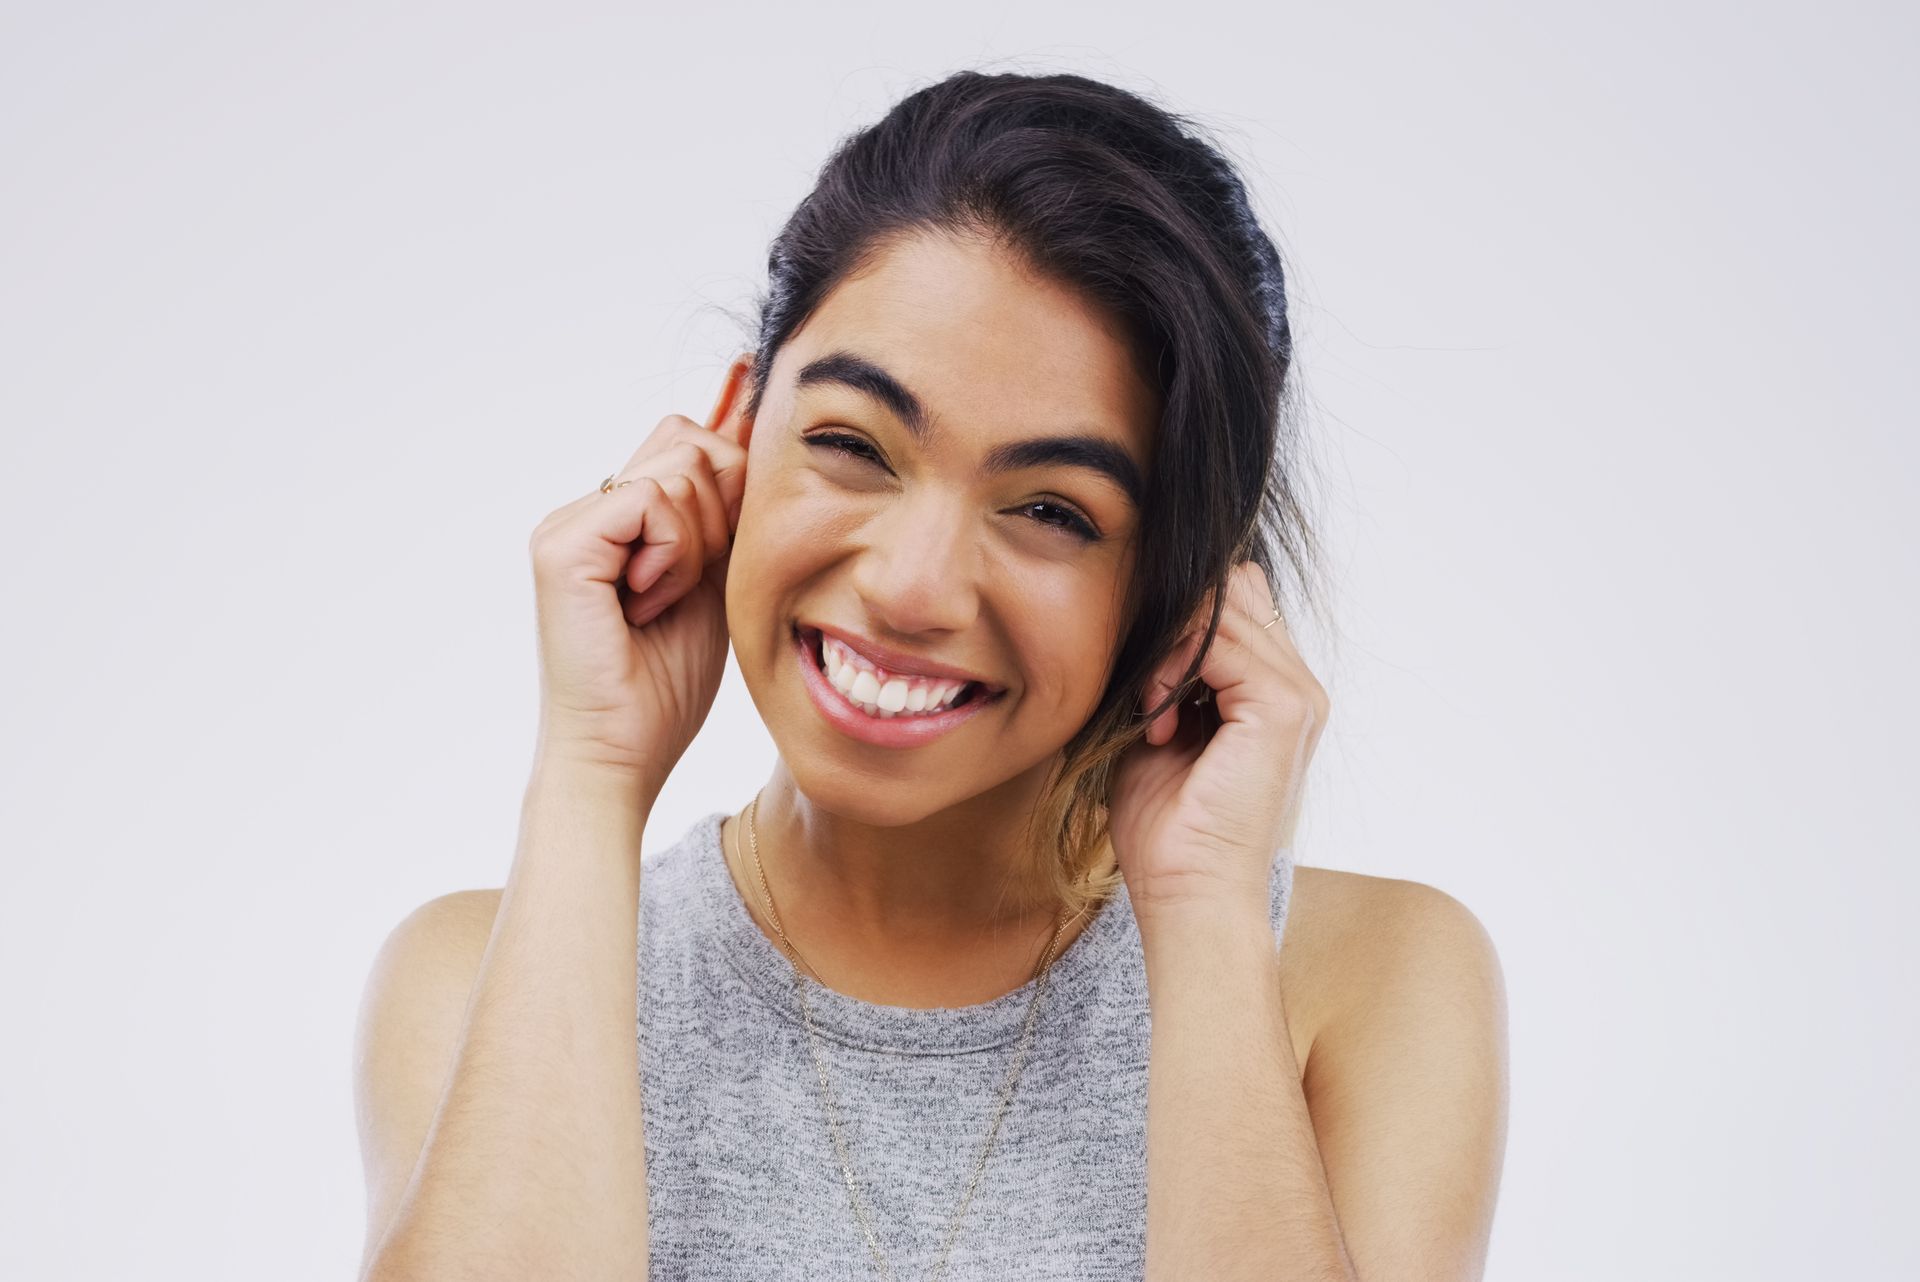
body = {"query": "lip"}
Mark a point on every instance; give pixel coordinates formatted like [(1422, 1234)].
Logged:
[(884, 732), (898, 663)]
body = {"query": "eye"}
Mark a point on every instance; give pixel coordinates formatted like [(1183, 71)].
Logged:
[(1055, 515), (842, 443), (1065, 518)]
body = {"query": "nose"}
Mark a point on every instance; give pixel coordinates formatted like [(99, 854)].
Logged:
[(920, 571)]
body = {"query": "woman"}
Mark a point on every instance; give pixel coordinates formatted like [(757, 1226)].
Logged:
[(1007, 971)]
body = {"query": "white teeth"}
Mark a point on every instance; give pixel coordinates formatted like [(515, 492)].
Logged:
[(861, 685)]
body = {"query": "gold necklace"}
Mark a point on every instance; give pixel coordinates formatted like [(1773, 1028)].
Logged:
[(826, 1090)]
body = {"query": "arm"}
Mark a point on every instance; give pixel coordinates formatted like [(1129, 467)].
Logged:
[(1383, 1164), (501, 1119), (1408, 1087)]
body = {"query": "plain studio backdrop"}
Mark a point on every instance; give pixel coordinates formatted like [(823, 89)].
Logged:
[(1605, 316)]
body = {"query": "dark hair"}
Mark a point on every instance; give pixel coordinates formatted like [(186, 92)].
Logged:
[(1117, 197)]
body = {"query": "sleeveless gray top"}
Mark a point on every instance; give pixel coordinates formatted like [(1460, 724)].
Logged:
[(743, 1182)]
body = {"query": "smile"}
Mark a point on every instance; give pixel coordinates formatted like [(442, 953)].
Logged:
[(874, 706)]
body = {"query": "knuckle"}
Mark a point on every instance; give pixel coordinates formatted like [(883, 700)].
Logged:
[(705, 453), (545, 532), (1296, 700), (693, 459)]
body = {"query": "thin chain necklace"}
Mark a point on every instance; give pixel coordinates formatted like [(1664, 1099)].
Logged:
[(826, 1090)]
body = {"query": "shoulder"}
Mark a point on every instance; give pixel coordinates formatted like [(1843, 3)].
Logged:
[(1360, 948), (447, 919), (421, 976), (1406, 1074), (411, 1012), (437, 945)]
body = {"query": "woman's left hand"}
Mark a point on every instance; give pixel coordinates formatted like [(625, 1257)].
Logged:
[(1202, 805)]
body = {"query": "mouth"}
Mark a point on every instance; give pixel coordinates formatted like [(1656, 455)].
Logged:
[(871, 719)]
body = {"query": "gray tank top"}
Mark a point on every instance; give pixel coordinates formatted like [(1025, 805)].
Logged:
[(742, 1179)]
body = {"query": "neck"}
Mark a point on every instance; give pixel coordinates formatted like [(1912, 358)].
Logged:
[(944, 910), (961, 871)]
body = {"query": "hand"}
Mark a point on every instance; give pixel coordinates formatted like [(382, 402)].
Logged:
[(630, 590), (1201, 806)]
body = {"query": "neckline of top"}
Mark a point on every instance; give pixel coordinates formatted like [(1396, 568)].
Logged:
[(892, 1030)]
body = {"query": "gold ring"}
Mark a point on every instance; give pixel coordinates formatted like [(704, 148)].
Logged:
[(607, 486), (1270, 622)]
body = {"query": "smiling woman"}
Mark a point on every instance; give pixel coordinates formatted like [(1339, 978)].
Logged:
[(1008, 477), (965, 479)]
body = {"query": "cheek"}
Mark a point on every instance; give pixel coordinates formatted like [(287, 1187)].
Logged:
[(1066, 629), (752, 568), (776, 546), (781, 527)]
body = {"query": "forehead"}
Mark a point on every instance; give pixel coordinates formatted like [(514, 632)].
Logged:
[(986, 343)]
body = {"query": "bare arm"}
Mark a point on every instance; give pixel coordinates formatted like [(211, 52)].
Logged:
[(1235, 1185), (1383, 1162), (506, 1141), (501, 1119), (1408, 1087)]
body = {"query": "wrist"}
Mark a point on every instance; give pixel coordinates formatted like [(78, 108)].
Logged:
[(1220, 911), (583, 769), (1221, 889), (1196, 955)]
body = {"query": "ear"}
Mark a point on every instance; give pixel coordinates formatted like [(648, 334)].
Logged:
[(728, 416)]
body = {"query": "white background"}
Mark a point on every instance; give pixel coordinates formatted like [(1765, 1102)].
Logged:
[(1606, 315)]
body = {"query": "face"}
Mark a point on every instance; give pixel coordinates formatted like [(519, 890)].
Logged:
[(938, 492)]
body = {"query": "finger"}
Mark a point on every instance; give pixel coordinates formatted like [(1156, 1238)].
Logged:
[(1173, 669), (660, 539), (682, 571), (717, 528), (665, 435), (613, 517), (677, 491), (1227, 665), (1165, 679), (1265, 629), (619, 497), (728, 420), (716, 571), (1249, 606), (671, 437), (1249, 593), (1254, 654), (600, 532), (727, 465), (1249, 603)]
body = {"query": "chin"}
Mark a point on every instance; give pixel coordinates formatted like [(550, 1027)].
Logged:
[(867, 802)]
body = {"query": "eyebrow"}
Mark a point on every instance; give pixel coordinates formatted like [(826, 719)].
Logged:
[(1092, 453)]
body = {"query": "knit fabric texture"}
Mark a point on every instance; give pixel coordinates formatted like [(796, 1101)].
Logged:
[(743, 1182)]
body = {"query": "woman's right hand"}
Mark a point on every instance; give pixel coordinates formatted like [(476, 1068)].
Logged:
[(630, 589)]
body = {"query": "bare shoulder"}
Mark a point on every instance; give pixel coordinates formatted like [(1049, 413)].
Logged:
[(421, 976), (1406, 1071), (444, 932), (1354, 941), (411, 1013)]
